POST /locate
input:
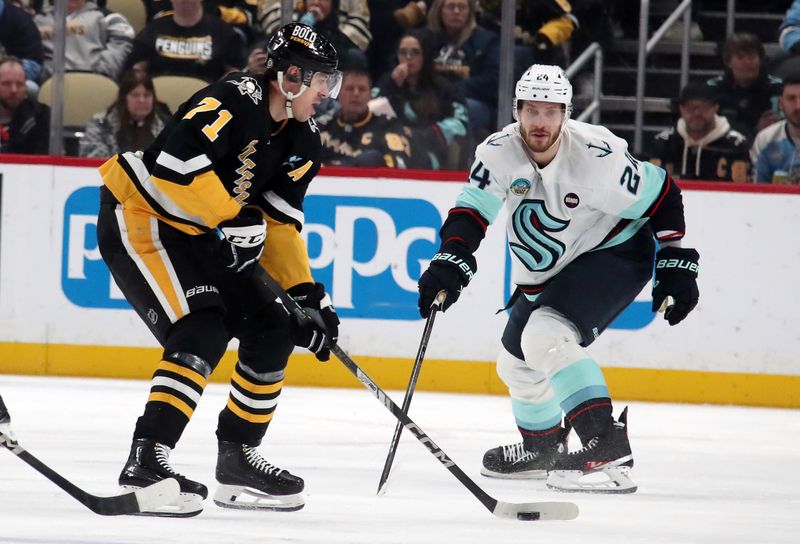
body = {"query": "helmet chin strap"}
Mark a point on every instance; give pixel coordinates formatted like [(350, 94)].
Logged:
[(289, 95)]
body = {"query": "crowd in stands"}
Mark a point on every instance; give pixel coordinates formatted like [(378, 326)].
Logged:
[(421, 77)]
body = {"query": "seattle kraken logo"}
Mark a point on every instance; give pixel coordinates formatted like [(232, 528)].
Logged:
[(531, 222)]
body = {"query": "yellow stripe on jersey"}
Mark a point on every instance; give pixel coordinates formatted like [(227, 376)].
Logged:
[(121, 186), (155, 259), (247, 385), (247, 416), (188, 373), (172, 401), (205, 197), (285, 256)]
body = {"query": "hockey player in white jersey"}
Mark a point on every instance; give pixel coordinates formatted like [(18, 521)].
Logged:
[(582, 217)]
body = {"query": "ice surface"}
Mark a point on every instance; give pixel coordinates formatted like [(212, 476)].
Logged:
[(706, 474)]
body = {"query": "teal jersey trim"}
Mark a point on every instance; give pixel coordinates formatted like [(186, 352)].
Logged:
[(485, 203), (651, 187), (537, 417), (532, 296), (579, 382), (625, 234)]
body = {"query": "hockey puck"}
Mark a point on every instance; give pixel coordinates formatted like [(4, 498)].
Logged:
[(528, 516)]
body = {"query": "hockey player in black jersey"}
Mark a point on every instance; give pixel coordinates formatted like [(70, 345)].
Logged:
[(181, 227)]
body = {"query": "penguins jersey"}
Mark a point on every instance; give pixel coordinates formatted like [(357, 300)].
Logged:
[(592, 195), (219, 152)]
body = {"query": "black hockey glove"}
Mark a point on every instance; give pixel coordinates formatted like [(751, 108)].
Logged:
[(451, 269), (323, 332), (242, 240), (676, 277)]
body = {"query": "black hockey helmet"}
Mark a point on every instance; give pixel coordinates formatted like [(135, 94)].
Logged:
[(296, 44)]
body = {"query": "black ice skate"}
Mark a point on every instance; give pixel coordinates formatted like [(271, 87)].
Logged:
[(602, 465), (149, 463), (514, 462), (247, 481)]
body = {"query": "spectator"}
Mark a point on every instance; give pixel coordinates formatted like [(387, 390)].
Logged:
[(20, 38), (131, 123), (24, 124), (702, 145), (239, 14), (187, 42), (355, 136), (344, 22), (469, 56), (776, 152), (542, 28), (388, 20), (786, 61), (427, 103), (790, 29), (748, 95), (96, 39)]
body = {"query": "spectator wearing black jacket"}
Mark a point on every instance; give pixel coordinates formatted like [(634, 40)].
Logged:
[(702, 145), (24, 124), (187, 42), (469, 56), (432, 107), (748, 95), (20, 38)]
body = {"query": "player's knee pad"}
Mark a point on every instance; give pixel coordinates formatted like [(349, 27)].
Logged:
[(549, 342), (201, 333), (524, 384), (266, 343)]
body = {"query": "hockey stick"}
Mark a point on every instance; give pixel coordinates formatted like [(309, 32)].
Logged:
[(412, 384), (147, 498), (530, 511)]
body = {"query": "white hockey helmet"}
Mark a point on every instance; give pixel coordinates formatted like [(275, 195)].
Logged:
[(545, 83)]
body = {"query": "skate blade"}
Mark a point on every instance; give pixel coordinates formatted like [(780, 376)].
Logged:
[(185, 505), (247, 498), (608, 480), (523, 475)]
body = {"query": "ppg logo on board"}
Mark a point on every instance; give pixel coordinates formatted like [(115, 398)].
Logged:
[(369, 253), (380, 245), (85, 278)]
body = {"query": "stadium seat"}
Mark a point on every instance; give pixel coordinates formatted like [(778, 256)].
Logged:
[(85, 94), (133, 10), (175, 90)]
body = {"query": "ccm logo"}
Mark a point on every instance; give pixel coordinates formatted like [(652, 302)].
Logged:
[(200, 289), (246, 241)]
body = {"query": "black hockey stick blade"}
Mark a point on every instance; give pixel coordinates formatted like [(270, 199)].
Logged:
[(147, 498), (412, 384), (530, 511)]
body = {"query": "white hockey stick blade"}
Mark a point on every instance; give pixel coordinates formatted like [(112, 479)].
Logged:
[(535, 511), (158, 494)]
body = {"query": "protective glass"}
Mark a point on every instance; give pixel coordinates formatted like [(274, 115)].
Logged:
[(332, 82)]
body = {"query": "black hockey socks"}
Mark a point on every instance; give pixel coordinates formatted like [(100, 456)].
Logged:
[(591, 418), (541, 439), (251, 404)]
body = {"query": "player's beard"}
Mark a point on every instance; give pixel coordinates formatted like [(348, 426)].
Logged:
[(540, 145)]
